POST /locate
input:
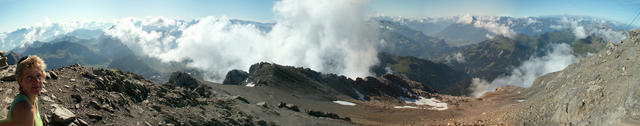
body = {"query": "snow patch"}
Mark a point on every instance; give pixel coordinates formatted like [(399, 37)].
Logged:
[(388, 70), (401, 107), (459, 57), (251, 84), (433, 102), (344, 103)]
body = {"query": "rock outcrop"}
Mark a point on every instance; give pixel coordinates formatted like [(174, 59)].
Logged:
[(600, 90), (388, 87), (430, 74), (3, 59), (391, 87), (13, 58), (186, 81), (235, 77), (6, 71), (183, 79)]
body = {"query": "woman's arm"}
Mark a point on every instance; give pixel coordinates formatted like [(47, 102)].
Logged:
[(22, 115)]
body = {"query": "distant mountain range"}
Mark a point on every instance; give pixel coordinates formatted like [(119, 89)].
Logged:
[(468, 29), (491, 54), (496, 57)]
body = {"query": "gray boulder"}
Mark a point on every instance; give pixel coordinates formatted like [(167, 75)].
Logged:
[(62, 116)]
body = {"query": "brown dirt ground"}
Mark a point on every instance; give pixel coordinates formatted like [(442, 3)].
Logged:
[(486, 110)]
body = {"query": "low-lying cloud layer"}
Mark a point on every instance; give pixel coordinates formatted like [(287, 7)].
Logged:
[(523, 76), (45, 31)]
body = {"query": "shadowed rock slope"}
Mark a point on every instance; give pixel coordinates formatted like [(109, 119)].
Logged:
[(306, 81), (431, 74)]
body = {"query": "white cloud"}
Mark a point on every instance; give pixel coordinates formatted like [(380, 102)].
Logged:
[(480, 86), (459, 57), (2, 43), (531, 21), (388, 70), (490, 24), (524, 75), (44, 31), (609, 35), (329, 36), (489, 36), (465, 19), (150, 35), (578, 32), (581, 31)]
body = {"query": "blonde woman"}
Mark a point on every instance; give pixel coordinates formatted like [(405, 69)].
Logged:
[(24, 109)]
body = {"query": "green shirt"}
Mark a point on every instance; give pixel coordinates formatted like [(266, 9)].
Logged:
[(20, 97)]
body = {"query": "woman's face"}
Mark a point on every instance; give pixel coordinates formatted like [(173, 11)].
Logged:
[(32, 80)]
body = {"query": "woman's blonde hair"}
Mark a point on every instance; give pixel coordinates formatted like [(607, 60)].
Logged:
[(28, 63)]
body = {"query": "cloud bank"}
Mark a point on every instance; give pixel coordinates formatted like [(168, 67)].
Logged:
[(330, 36), (46, 31), (488, 23)]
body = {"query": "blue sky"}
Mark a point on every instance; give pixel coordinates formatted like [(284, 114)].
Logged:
[(19, 13)]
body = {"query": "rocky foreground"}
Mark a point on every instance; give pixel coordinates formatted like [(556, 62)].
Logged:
[(78, 95)]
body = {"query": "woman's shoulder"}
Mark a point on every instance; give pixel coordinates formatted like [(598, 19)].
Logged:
[(22, 109), (22, 113), (22, 105), (20, 102)]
